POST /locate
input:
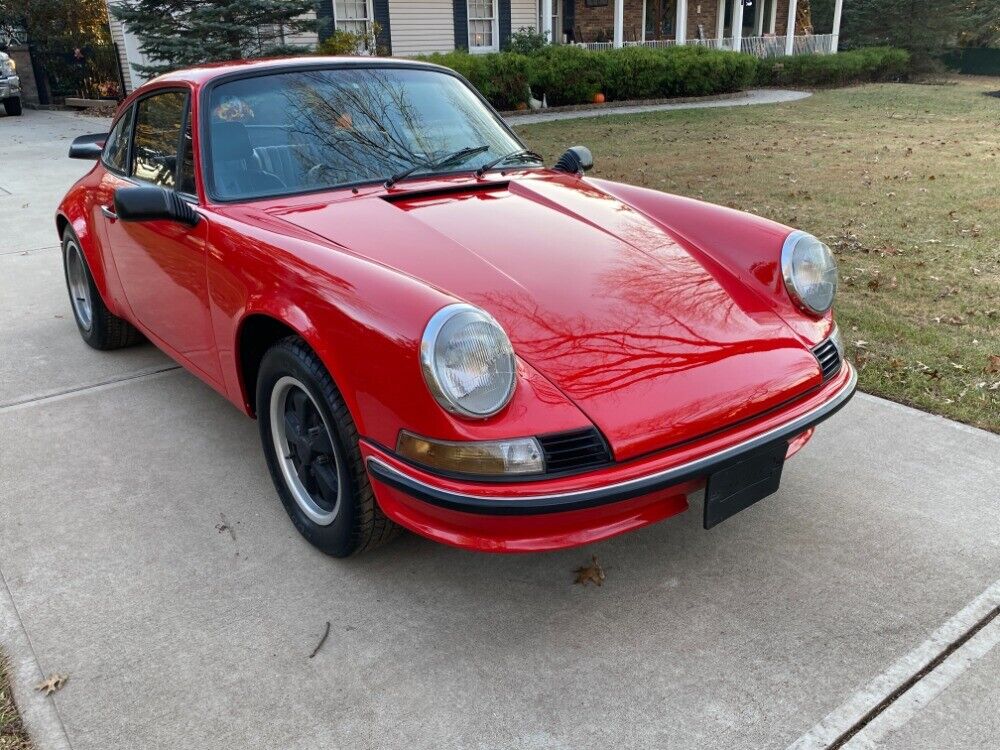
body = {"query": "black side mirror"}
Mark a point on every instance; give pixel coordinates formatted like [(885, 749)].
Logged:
[(151, 203), (575, 160), (88, 146)]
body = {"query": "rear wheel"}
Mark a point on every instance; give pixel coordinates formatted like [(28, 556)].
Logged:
[(312, 451), (12, 106), (99, 327)]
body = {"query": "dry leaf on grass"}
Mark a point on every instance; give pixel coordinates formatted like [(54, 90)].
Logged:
[(993, 364), (592, 573), (52, 684)]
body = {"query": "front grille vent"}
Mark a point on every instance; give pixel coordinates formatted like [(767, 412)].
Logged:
[(574, 451), (828, 357)]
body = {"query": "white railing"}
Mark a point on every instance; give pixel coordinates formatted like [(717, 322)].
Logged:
[(653, 43), (759, 46)]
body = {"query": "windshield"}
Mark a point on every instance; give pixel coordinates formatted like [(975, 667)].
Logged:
[(300, 131)]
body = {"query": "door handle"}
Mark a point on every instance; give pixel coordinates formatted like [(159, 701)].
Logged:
[(108, 213)]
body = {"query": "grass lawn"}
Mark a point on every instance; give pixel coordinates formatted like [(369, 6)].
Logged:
[(12, 734), (902, 181)]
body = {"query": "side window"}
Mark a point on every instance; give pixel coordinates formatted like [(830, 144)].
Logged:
[(187, 163), (157, 136), (115, 155)]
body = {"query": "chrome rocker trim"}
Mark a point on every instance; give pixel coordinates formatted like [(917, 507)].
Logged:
[(589, 498)]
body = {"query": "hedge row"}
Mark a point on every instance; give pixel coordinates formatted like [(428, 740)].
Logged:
[(855, 66), (566, 74)]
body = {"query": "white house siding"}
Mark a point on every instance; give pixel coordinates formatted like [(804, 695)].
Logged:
[(420, 26), (128, 51), (118, 37), (304, 38), (524, 14)]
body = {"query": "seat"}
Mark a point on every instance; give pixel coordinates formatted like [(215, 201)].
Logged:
[(235, 170), (291, 164)]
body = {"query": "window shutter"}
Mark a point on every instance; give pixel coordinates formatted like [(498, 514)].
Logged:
[(381, 11), (324, 15), (461, 9), (504, 22)]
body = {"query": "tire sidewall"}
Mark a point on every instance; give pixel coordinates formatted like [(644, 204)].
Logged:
[(91, 335), (335, 538)]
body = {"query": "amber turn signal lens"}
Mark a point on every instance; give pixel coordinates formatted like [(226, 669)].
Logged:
[(483, 458)]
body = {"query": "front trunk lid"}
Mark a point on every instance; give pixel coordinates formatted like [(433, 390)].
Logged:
[(655, 342)]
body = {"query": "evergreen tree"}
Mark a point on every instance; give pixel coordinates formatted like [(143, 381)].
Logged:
[(926, 29), (179, 33), (982, 23)]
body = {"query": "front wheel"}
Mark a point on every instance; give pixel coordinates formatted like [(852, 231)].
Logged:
[(12, 106), (312, 451)]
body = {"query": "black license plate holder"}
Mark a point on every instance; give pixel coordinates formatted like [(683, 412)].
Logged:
[(745, 481)]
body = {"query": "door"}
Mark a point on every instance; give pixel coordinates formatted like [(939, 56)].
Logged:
[(162, 264)]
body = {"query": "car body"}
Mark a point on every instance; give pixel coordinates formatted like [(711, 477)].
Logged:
[(10, 85), (655, 342)]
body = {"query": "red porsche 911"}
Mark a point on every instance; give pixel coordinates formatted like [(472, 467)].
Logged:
[(433, 329)]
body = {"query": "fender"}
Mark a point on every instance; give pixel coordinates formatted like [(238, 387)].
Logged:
[(371, 352), (89, 245), (746, 246)]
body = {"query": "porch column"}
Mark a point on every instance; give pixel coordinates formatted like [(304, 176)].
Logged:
[(758, 17), (619, 23), (790, 31), (546, 29), (837, 8), (738, 25), (772, 24), (720, 23), (680, 32)]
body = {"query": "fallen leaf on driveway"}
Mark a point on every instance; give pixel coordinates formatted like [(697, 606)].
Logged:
[(592, 573), (52, 684)]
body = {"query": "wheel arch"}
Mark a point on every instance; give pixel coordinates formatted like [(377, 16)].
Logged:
[(92, 253), (258, 331)]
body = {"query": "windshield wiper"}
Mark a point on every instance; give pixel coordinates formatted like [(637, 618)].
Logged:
[(461, 155), (519, 154)]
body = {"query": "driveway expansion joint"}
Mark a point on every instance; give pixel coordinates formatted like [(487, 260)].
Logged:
[(885, 704), (84, 389), (917, 677)]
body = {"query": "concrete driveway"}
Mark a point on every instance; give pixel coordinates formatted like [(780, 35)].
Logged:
[(144, 554)]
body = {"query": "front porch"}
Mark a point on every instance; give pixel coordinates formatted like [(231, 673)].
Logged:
[(757, 27)]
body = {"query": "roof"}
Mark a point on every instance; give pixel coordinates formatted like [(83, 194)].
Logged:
[(204, 73)]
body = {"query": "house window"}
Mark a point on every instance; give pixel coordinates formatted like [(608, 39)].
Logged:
[(353, 16), (483, 31)]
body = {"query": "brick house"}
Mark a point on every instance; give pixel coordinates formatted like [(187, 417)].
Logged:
[(414, 27)]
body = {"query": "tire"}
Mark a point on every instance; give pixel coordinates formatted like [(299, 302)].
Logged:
[(98, 326), (311, 444), (12, 106)]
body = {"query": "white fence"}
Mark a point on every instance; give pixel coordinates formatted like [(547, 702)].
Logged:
[(760, 46)]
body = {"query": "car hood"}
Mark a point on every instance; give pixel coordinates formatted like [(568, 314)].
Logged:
[(655, 342)]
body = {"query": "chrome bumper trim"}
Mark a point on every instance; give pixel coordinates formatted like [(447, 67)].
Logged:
[(588, 498)]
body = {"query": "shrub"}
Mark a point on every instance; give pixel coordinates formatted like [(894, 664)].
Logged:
[(854, 66), (501, 78), (342, 43), (526, 41), (567, 74)]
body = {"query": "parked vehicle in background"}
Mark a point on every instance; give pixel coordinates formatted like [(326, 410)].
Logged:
[(10, 85)]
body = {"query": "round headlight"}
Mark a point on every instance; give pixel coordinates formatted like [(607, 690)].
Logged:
[(468, 361), (810, 272)]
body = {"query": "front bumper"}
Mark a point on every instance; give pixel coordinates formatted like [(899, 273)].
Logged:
[(591, 506), (10, 87)]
